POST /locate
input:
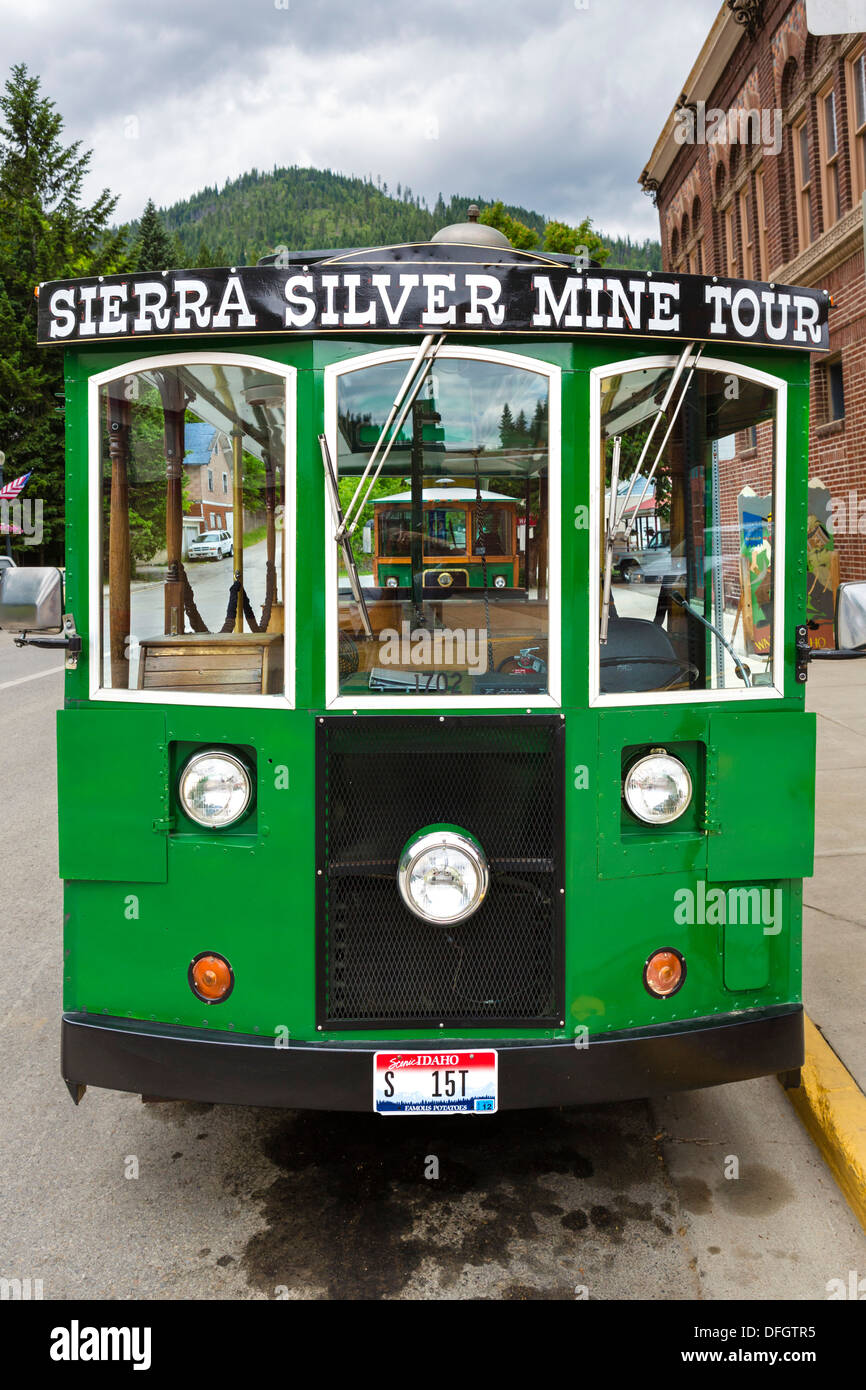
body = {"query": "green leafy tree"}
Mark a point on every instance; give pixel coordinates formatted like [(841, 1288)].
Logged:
[(520, 236), (560, 237), (46, 233)]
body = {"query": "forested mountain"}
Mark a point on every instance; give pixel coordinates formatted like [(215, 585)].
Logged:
[(309, 209)]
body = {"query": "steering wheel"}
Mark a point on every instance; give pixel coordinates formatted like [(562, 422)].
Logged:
[(684, 669)]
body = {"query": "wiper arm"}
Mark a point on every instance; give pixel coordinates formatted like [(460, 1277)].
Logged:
[(343, 541), (612, 523), (649, 477), (617, 513), (740, 667), (672, 386), (419, 370)]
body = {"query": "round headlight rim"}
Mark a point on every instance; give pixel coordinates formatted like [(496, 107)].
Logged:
[(230, 755), (647, 757), (419, 844), (667, 951)]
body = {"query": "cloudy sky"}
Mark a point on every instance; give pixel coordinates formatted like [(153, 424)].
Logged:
[(552, 104)]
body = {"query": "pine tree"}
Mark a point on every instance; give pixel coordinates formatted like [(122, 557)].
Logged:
[(46, 233), (154, 248), (506, 427)]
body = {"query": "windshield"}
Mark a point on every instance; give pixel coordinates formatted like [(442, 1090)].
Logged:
[(452, 548), (692, 591)]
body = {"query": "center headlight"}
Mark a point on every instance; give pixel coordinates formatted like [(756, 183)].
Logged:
[(657, 788), (443, 875), (215, 788)]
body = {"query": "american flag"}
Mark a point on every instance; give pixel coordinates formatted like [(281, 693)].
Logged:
[(10, 491)]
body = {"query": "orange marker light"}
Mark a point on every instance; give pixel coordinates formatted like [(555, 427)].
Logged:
[(211, 978), (664, 972)]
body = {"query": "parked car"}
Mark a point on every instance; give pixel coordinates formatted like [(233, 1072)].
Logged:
[(6, 563), (210, 545), (651, 561), (661, 564)]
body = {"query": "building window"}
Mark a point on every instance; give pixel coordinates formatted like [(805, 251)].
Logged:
[(857, 119), (732, 266), (829, 146), (746, 231), (761, 208), (699, 256), (803, 179), (835, 390), (225, 484), (210, 480)]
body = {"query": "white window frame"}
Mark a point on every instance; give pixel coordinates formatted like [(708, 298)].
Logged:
[(95, 645), (671, 698), (385, 701)]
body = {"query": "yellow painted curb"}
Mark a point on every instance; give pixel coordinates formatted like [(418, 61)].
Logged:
[(833, 1109)]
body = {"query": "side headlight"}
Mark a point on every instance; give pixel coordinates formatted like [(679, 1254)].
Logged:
[(215, 789), (657, 788), (443, 875)]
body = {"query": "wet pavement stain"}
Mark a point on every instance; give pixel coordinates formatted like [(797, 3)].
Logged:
[(758, 1191), (351, 1214), (695, 1195), (575, 1220)]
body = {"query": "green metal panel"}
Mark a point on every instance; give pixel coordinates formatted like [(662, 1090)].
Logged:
[(626, 848), (254, 900), (761, 795), (747, 956), (112, 789)]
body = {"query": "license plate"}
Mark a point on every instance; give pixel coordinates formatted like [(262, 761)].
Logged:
[(435, 1083)]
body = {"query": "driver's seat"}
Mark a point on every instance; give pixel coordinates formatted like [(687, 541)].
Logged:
[(639, 656)]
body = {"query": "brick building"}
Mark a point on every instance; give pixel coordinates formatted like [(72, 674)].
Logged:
[(760, 173)]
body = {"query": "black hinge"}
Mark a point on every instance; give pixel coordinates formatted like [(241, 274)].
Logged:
[(803, 653)]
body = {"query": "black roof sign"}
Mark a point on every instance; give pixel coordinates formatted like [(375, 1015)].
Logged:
[(388, 294)]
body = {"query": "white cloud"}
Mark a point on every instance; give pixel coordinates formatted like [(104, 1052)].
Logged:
[(546, 105)]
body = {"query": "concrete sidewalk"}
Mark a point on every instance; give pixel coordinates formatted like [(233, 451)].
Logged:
[(834, 928), (831, 1099)]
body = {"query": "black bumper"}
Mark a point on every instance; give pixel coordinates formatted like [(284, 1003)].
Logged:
[(227, 1068)]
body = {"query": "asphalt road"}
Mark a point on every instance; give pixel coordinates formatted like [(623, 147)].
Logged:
[(622, 1201)]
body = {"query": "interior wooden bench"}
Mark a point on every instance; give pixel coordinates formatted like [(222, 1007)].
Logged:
[(222, 663)]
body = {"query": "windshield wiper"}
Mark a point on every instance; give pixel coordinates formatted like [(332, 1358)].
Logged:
[(419, 370), (343, 540), (742, 670), (620, 511)]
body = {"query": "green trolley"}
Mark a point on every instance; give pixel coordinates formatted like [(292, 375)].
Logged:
[(389, 793)]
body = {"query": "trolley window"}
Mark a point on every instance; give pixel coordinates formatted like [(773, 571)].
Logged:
[(188, 584), (690, 534), (452, 548)]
